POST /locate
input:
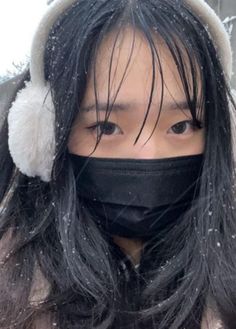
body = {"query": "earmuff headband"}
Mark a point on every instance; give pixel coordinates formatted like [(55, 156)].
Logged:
[(55, 9)]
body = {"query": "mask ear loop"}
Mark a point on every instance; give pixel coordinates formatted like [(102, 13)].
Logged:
[(31, 117)]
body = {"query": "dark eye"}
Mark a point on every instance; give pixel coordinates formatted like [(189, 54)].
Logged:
[(182, 128), (106, 128)]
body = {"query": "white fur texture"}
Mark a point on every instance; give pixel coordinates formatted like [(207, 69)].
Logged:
[(31, 131)]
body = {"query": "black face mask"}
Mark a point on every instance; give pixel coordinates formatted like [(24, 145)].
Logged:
[(137, 198)]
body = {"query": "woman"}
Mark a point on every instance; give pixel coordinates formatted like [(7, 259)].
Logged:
[(117, 178)]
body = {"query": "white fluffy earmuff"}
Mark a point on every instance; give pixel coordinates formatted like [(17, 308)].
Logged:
[(31, 131), (31, 117)]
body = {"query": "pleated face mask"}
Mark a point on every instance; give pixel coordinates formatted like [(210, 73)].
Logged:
[(137, 198)]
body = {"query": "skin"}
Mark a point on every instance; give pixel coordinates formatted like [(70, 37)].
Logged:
[(174, 135)]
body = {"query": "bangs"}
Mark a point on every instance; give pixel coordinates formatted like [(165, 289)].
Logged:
[(156, 31), (159, 22)]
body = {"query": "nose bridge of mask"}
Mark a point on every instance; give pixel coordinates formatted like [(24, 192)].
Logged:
[(147, 183)]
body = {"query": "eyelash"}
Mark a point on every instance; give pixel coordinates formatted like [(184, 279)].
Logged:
[(102, 123), (196, 125)]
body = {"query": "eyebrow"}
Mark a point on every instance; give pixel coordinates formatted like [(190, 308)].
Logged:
[(182, 105)]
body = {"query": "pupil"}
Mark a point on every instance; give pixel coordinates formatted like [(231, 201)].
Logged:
[(179, 128), (107, 128)]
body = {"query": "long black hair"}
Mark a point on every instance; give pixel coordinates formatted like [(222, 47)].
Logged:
[(48, 236)]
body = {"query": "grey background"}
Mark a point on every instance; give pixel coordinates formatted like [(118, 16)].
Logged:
[(227, 8)]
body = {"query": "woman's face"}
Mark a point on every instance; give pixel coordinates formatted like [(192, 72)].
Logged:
[(174, 134)]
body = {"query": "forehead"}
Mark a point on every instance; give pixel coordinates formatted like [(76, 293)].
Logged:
[(126, 70)]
